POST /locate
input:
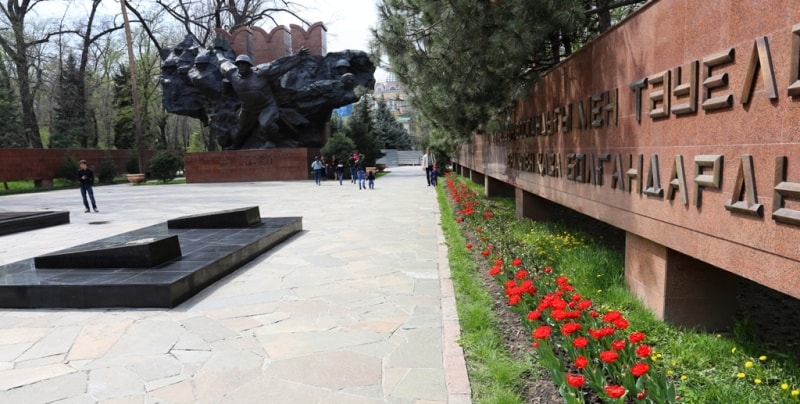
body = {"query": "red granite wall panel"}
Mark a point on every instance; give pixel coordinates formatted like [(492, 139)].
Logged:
[(249, 165), (627, 97)]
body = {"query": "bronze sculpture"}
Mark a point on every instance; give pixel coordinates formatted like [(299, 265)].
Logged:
[(283, 103)]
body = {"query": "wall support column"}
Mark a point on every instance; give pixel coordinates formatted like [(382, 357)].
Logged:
[(677, 288), (494, 187)]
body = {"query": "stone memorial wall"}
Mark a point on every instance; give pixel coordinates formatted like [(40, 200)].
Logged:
[(681, 126)]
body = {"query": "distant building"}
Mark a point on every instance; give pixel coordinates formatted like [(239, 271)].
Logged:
[(394, 94)]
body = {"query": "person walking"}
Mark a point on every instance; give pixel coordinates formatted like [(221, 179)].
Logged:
[(317, 167), (86, 179), (340, 170), (428, 161), (434, 176), (351, 163), (359, 163), (371, 179)]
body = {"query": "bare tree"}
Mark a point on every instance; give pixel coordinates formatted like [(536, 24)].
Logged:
[(18, 46), (201, 17)]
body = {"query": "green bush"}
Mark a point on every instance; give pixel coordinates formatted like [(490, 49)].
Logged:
[(132, 166), (107, 171), (165, 165), (68, 169)]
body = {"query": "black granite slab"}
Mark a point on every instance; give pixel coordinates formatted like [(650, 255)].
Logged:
[(241, 217), (15, 222), (141, 253), (208, 255)]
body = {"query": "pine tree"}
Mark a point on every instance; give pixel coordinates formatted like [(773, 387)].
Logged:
[(69, 126), (360, 129), (388, 130), (10, 115), (124, 128)]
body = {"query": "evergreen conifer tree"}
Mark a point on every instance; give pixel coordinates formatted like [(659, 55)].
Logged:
[(124, 128), (68, 127)]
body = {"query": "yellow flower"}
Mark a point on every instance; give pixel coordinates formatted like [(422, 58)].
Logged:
[(659, 356), (670, 372), (719, 335), (748, 364), (795, 393), (740, 375), (784, 386), (733, 350), (757, 381), (762, 358), (684, 377)]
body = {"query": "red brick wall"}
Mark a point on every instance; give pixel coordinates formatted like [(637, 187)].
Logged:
[(249, 165), (42, 164), (265, 46)]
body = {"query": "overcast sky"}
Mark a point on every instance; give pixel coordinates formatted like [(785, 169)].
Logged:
[(348, 23)]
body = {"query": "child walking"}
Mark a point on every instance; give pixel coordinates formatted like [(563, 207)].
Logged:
[(371, 179)]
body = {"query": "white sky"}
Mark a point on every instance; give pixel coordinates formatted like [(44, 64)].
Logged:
[(348, 23)]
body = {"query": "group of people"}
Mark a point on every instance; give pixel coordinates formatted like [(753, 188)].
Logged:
[(358, 172)]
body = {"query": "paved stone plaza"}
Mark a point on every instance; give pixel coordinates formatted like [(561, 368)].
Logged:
[(356, 308)]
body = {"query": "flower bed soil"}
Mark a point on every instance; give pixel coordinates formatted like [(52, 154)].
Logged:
[(765, 309)]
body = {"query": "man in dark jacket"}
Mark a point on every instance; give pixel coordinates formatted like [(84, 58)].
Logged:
[(86, 178)]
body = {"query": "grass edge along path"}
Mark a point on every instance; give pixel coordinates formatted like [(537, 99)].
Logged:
[(707, 368), (494, 376)]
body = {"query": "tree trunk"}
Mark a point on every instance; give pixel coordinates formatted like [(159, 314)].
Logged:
[(30, 127)]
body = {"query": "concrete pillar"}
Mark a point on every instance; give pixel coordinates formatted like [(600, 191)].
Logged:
[(476, 177), (677, 288), (495, 187), (532, 206)]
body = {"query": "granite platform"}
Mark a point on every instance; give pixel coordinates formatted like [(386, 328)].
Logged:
[(15, 222), (207, 255)]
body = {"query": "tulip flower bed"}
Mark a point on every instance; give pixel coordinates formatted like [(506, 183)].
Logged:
[(589, 349)]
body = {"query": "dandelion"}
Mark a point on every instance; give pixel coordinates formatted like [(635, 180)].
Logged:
[(762, 358), (670, 372), (748, 364), (795, 393), (784, 386), (740, 375), (684, 377), (757, 381), (733, 350)]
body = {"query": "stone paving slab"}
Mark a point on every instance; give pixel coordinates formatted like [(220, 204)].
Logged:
[(355, 308)]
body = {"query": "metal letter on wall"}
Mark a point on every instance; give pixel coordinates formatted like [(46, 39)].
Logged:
[(653, 185), (634, 172), (713, 180), (794, 63), (784, 190), (760, 57), (677, 181), (612, 107), (718, 80), (596, 104), (597, 169), (637, 87), (687, 89), (617, 179), (745, 185), (660, 96)]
